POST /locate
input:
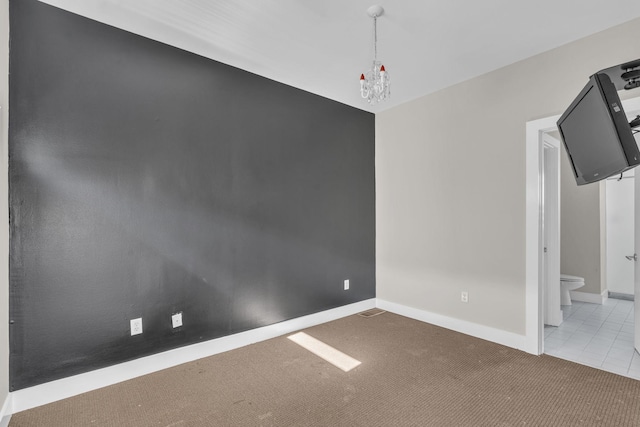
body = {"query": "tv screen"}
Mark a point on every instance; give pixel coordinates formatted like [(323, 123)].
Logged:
[(597, 134)]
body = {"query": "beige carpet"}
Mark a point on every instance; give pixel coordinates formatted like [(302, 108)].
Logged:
[(412, 374)]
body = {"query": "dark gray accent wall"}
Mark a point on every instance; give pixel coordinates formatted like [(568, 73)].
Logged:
[(145, 180)]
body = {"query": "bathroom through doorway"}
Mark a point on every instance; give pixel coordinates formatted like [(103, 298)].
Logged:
[(537, 268)]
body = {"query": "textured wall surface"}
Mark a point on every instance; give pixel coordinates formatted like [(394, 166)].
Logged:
[(145, 180)]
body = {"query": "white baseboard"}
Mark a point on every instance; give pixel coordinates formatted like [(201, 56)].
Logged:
[(499, 336), (5, 411), (589, 297), (42, 394)]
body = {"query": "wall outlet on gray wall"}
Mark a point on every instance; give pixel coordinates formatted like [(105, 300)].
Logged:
[(136, 326), (176, 320)]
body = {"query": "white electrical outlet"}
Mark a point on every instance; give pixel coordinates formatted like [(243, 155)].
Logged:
[(464, 296), (176, 320), (346, 285), (136, 326)]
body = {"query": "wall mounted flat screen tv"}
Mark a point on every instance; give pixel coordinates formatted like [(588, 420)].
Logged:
[(596, 133)]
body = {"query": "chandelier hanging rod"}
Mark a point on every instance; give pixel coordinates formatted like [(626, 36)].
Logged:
[(375, 11)]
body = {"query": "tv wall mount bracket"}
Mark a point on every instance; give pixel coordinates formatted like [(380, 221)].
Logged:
[(625, 77)]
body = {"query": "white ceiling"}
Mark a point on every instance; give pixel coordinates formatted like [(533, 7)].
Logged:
[(323, 46)]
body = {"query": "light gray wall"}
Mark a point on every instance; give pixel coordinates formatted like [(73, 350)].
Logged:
[(450, 182), (580, 229), (4, 197)]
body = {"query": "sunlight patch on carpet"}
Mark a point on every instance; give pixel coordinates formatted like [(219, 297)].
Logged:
[(372, 312), (325, 351)]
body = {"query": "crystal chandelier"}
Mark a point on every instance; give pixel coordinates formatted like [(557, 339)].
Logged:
[(375, 83)]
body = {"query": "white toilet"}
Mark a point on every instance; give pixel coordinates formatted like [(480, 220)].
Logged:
[(569, 283)]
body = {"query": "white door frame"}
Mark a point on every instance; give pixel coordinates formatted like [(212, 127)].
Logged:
[(535, 130), (534, 246)]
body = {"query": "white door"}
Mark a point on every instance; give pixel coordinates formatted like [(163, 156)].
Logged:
[(551, 230), (636, 279), (620, 233)]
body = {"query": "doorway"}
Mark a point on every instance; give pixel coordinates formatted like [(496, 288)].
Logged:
[(536, 235)]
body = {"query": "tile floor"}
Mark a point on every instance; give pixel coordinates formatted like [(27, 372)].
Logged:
[(596, 335)]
